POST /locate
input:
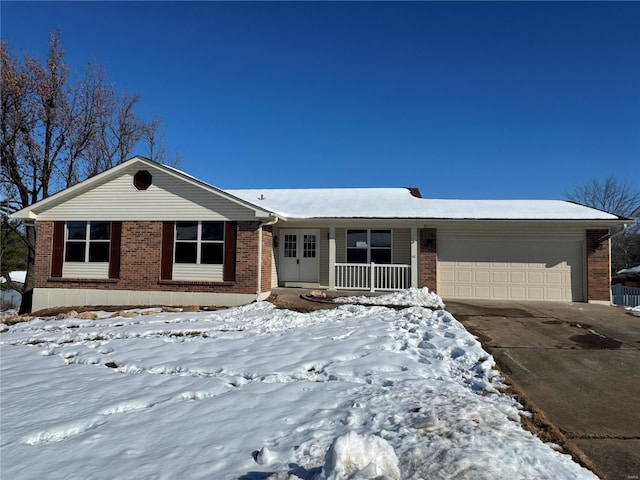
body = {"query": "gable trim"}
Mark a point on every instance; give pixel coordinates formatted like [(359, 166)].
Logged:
[(34, 210)]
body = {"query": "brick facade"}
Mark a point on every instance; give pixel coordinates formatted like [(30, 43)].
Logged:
[(598, 267), (140, 260), (267, 255), (428, 259)]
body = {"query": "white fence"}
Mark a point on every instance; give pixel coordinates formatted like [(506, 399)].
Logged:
[(625, 296), (372, 277)]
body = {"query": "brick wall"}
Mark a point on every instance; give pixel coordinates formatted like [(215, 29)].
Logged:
[(267, 254), (598, 268), (44, 247), (140, 256), (428, 259)]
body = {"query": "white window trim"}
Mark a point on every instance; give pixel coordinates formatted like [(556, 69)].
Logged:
[(346, 243)]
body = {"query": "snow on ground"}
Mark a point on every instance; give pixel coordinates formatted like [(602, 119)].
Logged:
[(413, 296), (255, 392), (17, 276)]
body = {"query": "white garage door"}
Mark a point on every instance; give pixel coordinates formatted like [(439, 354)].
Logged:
[(510, 267)]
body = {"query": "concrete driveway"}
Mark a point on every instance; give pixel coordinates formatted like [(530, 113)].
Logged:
[(578, 363)]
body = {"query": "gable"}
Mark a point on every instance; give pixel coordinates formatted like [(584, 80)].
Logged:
[(167, 197)]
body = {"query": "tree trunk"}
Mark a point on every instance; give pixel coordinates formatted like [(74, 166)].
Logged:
[(29, 282)]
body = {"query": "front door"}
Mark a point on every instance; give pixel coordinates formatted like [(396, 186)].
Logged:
[(299, 256)]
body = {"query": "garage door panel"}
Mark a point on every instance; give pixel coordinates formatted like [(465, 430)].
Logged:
[(517, 277), (499, 277), (465, 276), (483, 276), (465, 290), (535, 277), (510, 267), (517, 293), (498, 292), (481, 291), (535, 293)]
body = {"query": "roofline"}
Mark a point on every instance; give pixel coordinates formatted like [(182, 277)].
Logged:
[(28, 212), (611, 221), (600, 210)]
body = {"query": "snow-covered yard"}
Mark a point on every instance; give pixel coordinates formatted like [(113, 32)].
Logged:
[(255, 392)]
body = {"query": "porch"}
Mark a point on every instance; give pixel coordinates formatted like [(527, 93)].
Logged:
[(358, 259)]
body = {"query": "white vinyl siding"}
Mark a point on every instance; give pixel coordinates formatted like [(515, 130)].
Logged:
[(511, 265), (194, 272), (85, 270), (402, 246), (167, 197)]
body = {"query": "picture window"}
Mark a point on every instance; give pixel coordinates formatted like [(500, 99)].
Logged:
[(369, 246)]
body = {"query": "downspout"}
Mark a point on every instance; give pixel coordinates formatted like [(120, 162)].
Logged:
[(264, 224)]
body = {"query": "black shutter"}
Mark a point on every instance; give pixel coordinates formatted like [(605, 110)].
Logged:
[(114, 256), (57, 254), (166, 265), (230, 234)]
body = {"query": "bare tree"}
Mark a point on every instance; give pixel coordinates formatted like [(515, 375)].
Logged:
[(610, 194), (57, 130), (620, 198), (156, 149)]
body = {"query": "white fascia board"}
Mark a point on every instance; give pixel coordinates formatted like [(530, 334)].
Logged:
[(572, 223)]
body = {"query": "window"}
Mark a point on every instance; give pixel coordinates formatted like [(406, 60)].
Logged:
[(369, 246), (290, 246), (199, 243), (87, 242)]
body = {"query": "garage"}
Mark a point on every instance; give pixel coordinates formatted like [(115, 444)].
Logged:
[(511, 266)]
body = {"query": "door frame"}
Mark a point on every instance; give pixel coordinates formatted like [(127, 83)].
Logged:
[(285, 276)]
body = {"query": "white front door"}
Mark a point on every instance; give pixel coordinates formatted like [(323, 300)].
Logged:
[(299, 255)]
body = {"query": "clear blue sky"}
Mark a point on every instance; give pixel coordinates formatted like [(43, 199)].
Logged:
[(461, 99)]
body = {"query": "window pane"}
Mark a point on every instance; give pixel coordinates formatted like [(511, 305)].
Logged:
[(100, 231), (213, 231), (212, 253), (381, 255), (290, 246), (74, 252), (99, 251), (381, 238), (356, 255), (357, 238), (186, 252), (76, 230), (309, 246), (186, 230)]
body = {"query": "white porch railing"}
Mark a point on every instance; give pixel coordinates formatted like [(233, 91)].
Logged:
[(372, 277), (625, 296)]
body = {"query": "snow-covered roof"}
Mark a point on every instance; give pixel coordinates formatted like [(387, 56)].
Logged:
[(630, 271), (400, 203)]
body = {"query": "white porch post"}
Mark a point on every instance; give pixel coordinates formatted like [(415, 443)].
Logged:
[(332, 258), (414, 257)]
